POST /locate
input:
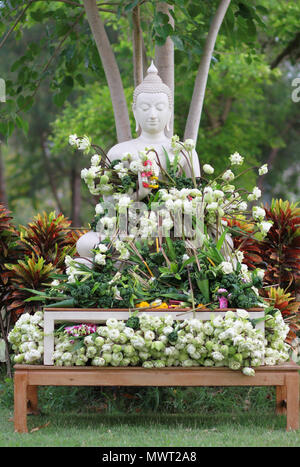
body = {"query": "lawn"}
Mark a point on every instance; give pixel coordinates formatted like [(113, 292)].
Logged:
[(149, 417)]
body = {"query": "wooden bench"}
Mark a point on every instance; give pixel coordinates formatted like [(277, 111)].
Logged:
[(27, 378)]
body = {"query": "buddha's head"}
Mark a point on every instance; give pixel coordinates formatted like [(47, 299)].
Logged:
[(152, 103)]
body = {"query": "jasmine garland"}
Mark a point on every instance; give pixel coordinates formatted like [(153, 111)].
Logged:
[(158, 341)]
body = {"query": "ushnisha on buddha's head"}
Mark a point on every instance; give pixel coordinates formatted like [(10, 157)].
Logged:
[(152, 104)]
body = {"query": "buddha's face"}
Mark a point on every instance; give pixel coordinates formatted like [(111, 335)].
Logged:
[(152, 111)]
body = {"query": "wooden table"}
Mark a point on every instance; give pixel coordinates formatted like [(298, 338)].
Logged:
[(27, 378)]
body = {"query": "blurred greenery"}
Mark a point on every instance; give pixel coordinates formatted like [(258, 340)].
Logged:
[(56, 86)]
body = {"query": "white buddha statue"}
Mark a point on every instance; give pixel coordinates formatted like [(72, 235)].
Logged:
[(152, 108)]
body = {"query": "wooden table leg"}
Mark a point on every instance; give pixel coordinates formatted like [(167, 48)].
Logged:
[(20, 402), (32, 396), (292, 389), (280, 400)]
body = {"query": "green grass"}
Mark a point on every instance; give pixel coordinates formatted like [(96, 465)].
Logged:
[(253, 429), (159, 417)]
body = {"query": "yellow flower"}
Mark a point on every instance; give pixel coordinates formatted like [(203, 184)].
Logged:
[(143, 305), (163, 305)]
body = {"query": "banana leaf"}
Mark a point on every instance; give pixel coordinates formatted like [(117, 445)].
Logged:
[(203, 285), (171, 250), (69, 303)]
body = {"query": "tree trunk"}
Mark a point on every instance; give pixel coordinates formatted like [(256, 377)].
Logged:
[(137, 41), (195, 111), (111, 71), (49, 171), (3, 194), (164, 59)]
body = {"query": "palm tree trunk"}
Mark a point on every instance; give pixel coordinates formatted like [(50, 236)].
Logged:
[(111, 70), (164, 58), (195, 111), (137, 41)]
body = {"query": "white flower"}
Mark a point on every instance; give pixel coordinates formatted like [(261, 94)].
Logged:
[(265, 226), (218, 194), (263, 169), (226, 267), (228, 176), (236, 159), (243, 206), (55, 282), (124, 202), (84, 143), (99, 208), (73, 140), (95, 159), (260, 273), (212, 206), (239, 256), (256, 194), (189, 144), (248, 371), (242, 313), (258, 213), (84, 173), (100, 259), (208, 169), (102, 248)]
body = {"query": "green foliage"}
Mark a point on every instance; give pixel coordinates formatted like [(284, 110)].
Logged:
[(92, 114)]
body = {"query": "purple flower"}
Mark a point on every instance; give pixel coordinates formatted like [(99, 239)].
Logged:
[(222, 291)]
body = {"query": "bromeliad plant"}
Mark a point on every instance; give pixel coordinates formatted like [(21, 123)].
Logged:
[(32, 274), (49, 236), (32, 254)]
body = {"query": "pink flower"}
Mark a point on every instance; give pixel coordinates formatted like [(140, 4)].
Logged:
[(223, 302)]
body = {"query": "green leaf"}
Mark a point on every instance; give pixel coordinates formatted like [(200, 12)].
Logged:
[(221, 240), (177, 42), (171, 250), (69, 303), (203, 285)]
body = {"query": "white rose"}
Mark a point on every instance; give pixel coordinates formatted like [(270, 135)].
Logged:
[(242, 313), (248, 371), (228, 176), (226, 267), (208, 169), (189, 144)]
